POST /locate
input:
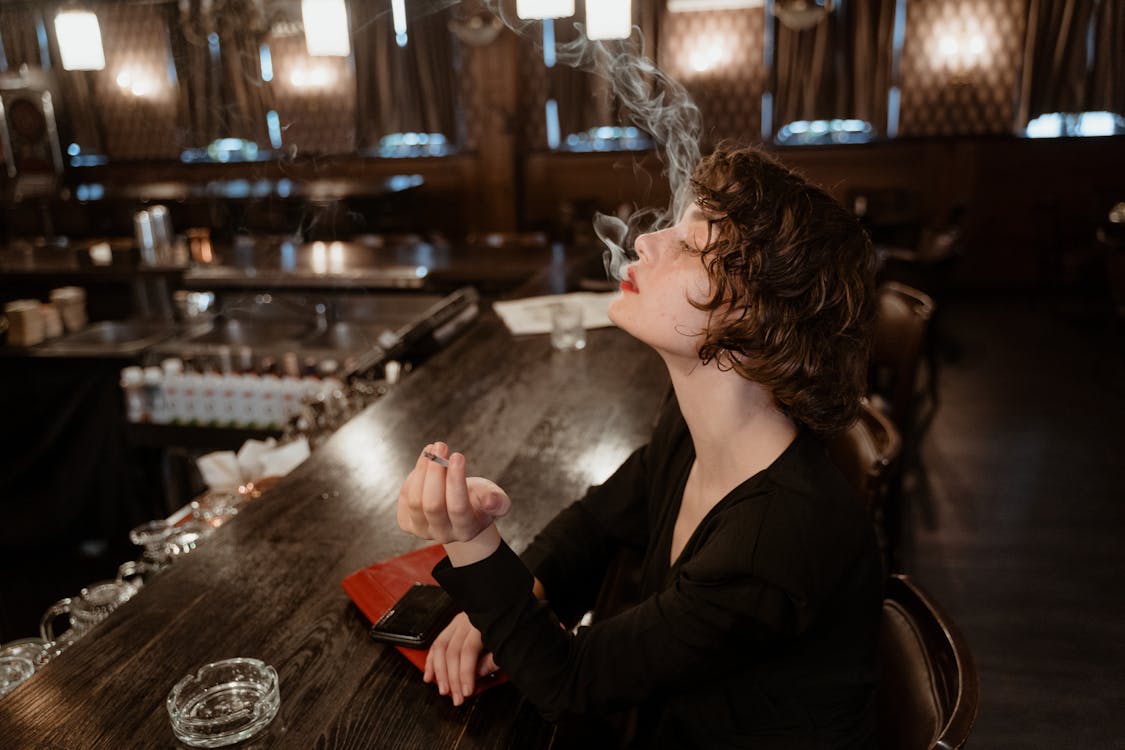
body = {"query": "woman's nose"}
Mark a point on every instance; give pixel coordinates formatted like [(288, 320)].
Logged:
[(643, 245)]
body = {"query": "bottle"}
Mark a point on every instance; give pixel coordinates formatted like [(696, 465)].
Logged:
[(173, 389), (227, 399), (155, 405), (208, 399), (132, 384), (246, 400), (190, 409)]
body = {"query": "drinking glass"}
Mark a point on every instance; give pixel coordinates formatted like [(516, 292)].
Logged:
[(567, 331)]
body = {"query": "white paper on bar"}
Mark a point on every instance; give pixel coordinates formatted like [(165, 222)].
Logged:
[(533, 314), (284, 458), (220, 470), (250, 458)]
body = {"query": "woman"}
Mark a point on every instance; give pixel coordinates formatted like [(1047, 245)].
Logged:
[(761, 579)]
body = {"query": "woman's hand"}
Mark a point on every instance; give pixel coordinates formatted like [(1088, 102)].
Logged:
[(443, 505), (457, 658)]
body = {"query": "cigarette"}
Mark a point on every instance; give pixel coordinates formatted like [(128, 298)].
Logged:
[(436, 459)]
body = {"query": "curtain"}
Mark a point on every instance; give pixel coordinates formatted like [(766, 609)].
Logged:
[(223, 95), (1059, 73), (19, 36), (584, 99), (72, 92), (838, 69), (188, 38), (403, 89)]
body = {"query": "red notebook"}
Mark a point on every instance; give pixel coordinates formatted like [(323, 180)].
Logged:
[(375, 588)]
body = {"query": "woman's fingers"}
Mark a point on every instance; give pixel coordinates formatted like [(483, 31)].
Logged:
[(465, 520), (439, 502), (470, 653), (486, 665), (434, 497), (411, 517), (455, 660), (488, 498)]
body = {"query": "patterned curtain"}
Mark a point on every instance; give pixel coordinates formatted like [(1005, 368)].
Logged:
[(222, 94), (19, 37), (403, 89), (586, 99), (1059, 72), (840, 68)]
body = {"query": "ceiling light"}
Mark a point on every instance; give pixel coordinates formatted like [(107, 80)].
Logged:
[(80, 40), (609, 19), (326, 28), (538, 9)]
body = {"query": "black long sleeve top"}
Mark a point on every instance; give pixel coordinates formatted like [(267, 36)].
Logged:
[(761, 633)]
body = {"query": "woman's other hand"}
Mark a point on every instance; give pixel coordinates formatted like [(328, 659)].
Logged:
[(443, 504), (457, 658)]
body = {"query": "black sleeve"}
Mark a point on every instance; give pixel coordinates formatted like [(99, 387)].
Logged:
[(571, 554), (719, 615)]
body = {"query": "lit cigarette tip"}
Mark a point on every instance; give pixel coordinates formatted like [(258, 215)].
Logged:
[(436, 459)]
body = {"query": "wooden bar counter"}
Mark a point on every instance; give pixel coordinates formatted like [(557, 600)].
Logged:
[(543, 424)]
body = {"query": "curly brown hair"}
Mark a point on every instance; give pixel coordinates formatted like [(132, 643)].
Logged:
[(792, 287)]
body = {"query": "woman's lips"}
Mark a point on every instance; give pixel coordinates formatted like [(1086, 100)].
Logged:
[(630, 283)]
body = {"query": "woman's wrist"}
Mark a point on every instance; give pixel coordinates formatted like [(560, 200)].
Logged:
[(474, 550)]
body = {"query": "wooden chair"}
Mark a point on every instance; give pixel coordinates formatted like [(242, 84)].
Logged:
[(901, 322), (866, 454), (928, 692)]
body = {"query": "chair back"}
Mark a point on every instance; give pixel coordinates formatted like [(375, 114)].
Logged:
[(928, 688), (865, 452), (901, 320)]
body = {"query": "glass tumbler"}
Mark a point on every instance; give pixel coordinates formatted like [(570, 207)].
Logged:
[(567, 331)]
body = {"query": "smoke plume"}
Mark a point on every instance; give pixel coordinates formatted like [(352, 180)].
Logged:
[(654, 102)]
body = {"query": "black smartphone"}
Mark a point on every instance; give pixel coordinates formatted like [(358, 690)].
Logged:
[(416, 618)]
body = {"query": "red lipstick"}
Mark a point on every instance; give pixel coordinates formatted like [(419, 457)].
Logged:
[(629, 284)]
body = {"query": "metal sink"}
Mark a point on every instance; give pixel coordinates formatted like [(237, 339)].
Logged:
[(253, 333), (347, 336), (110, 338)]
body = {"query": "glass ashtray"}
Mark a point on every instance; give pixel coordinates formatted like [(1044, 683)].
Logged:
[(216, 508), (224, 702), (13, 671), (150, 533)]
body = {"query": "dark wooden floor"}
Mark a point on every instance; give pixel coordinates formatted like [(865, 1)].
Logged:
[(1018, 529)]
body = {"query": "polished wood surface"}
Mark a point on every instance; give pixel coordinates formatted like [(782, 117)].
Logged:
[(544, 424)]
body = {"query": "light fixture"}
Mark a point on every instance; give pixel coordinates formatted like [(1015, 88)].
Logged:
[(134, 83), (801, 15), (695, 6), (80, 40), (326, 28), (539, 9), (609, 19), (398, 15)]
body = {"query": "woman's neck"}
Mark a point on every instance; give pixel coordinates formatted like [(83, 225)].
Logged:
[(735, 427)]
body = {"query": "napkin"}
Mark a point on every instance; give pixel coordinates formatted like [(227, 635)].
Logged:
[(533, 314), (255, 460), (250, 457), (220, 470), (281, 460)]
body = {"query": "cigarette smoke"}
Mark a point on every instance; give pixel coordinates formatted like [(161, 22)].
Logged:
[(655, 103)]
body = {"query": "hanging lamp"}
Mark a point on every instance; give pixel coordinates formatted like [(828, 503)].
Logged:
[(541, 9), (609, 19), (80, 40), (326, 28)]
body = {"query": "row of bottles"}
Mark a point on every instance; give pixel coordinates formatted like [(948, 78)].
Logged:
[(170, 395)]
